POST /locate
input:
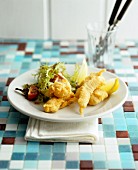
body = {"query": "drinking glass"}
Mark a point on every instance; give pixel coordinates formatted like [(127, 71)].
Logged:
[(101, 44)]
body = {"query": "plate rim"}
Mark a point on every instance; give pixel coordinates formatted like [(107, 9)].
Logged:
[(78, 119)]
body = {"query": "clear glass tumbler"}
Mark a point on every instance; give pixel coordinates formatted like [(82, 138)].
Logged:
[(100, 45)]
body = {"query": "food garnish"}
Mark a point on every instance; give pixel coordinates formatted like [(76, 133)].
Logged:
[(56, 88)]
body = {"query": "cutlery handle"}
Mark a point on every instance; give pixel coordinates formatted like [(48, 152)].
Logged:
[(114, 12), (122, 12)]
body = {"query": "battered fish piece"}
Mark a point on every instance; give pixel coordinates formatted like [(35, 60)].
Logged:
[(61, 88), (97, 96), (54, 104), (92, 82)]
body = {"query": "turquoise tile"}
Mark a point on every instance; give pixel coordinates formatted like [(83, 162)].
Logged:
[(1, 133), (134, 140), (132, 121), (32, 147), (59, 147), (132, 127), (109, 134), (100, 165), (108, 128), (130, 114), (108, 121), (19, 148), (126, 156), (128, 164), (120, 121), (30, 164), (133, 134), (86, 156), (121, 127)]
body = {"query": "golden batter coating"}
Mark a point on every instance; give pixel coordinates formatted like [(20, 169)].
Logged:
[(92, 82), (53, 105), (60, 89), (97, 96)]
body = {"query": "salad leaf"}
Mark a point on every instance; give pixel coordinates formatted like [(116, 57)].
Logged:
[(72, 78), (46, 75)]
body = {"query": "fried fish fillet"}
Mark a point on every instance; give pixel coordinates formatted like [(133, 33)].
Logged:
[(92, 82), (54, 104), (97, 96), (61, 88)]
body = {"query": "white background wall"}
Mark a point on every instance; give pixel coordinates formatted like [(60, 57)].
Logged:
[(23, 19), (61, 19)]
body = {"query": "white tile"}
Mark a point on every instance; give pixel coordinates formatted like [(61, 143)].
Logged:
[(98, 148), (110, 141), (123, 141), (44, 164), (58, 165), (6, 148), (72, 155), (112, 156), (85, 148), (16, 164), (11, 127), (5, 155), (72, 147), (111, 148)]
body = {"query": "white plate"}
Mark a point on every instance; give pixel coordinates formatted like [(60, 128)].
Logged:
[(70, 113)]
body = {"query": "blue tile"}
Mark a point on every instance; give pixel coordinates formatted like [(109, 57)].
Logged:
[(59, 147), (9, 134), (58, 156), (4, 164), (4, 114), (72, 164), (17, 156), (45, 148), (20, 133), (45, 156), (31, 156), (124, 148)]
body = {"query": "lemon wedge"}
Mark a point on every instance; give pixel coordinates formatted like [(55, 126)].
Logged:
[(83, 72), (111, 85)]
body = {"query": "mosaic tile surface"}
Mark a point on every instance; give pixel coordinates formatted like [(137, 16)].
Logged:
[(117, 148)]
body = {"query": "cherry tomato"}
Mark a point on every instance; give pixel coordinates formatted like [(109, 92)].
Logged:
[(32, 93)]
